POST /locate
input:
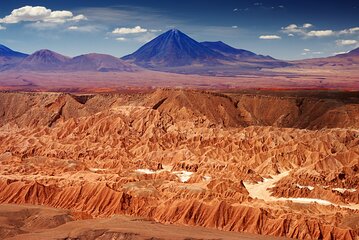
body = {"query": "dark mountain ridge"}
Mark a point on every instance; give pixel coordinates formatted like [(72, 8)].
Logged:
[(46, 60), (225, 49), (7, 52), (173, 49)]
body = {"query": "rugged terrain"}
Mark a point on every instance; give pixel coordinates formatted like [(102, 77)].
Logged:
[(44, 223), (284, 164)]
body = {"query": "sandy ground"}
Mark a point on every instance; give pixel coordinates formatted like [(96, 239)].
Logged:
[(261, 191), (45, 224), (282, 78)]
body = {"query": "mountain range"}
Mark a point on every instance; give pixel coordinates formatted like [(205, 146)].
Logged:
[(343, 61), (46, 60), (172, 51)]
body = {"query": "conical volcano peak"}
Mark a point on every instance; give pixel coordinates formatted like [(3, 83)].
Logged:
[(176, 35), (175, 30), (43, 59), (48, 56), (173, 48), (45, 52)]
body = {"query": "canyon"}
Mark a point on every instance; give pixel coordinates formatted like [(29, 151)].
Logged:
[(279, 164)]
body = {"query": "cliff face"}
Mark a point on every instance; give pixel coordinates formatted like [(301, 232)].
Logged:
[(248, 163)]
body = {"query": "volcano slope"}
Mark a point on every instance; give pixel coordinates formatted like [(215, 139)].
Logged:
[(285, 165)]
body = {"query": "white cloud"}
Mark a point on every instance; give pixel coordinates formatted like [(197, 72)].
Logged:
[(270, 37), (290, 27), (73, 28), (234, 27), (294, 29), (240, 9), (27, 13), (86, 28), (78, 18), (2, 27), (58, 16), (307, 25), (320, 33), (123, 30), (307, 51), (346, 42), (121, 39), (350, 30), (155, 30), (39, 14)]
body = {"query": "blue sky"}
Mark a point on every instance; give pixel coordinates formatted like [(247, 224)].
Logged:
[(287, 29)]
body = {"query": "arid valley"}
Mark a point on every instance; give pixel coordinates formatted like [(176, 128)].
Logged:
[(256, 162)]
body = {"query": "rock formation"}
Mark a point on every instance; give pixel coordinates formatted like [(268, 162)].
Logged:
[(187, 157)]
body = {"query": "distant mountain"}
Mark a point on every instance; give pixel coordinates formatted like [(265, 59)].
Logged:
[(225, 49), (43, 60), (348, 60), (9, 57), (46, 60), (7, 52), (173, 49), (242, 56), (352, 53), (99, 62)]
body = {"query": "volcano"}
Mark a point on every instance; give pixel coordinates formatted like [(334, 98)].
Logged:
[(46, 60), (173, 49), (43, 60), (100, 63)]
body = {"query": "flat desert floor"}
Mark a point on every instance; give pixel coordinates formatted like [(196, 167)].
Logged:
[(279, 78)]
